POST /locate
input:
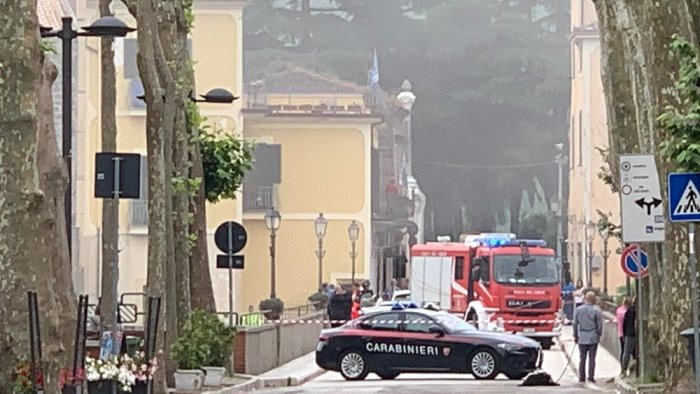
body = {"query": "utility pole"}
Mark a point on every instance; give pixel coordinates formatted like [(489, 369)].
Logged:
[(560, 159)]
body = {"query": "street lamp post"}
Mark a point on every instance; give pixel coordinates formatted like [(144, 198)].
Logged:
[(590, 235), (560, 158), (353, 234), (320, 225), (605, 235), (107, 26), (272, 222)]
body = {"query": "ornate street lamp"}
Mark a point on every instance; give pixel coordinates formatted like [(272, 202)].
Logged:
[(353, 234), (107, 26), (320, 225), (217, 95), (272, 222), (589, 231), (605, 235)]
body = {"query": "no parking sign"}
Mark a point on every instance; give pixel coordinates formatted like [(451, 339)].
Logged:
[(632, 258)]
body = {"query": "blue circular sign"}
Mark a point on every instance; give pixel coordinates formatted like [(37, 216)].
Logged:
[(632, 258)]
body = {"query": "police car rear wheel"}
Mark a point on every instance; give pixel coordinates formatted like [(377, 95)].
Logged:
[(353, 366), (484, 364), (386, 375)]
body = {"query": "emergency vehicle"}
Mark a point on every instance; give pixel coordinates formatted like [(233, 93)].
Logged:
[(405, 339), (494, 280)]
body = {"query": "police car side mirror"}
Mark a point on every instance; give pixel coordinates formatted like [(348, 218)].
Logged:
[(437, 330)]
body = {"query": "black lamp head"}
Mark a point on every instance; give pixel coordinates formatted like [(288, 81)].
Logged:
[(108, 26)]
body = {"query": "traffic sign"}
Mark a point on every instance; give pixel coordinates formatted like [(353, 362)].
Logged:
[(631, 259), (640, 199), (236, 262), (237, 240), (683, 197)]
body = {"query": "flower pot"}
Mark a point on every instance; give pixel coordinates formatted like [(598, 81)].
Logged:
[(140, 388), (213, 376), (102, 387), (188, 379)]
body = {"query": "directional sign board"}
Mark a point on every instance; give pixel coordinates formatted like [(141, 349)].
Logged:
[(632, 258), (236, 262), (683, 197), (640, 200)]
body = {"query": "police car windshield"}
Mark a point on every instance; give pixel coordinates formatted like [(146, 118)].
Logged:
[(453, 324), (541, 270)]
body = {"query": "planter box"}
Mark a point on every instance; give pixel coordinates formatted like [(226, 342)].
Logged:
[(102, 387), (213, 376), (189, 379)]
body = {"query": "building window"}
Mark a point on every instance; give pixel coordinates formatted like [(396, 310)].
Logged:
[(138, 215), (131, 72), (459, 267), (580, 138), (260, 184)]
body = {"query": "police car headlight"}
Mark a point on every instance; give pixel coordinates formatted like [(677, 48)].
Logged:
[(509, 347), (321, 346)]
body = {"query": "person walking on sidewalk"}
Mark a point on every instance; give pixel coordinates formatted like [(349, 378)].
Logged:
[(578, 293), (588, 328), (620, 317), (630, 331)]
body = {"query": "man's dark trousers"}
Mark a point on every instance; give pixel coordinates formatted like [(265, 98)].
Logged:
[(587, 351)]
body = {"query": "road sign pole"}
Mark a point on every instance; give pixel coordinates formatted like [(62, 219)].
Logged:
[(230, 274), (115, 278), (640, 312), (694, 300)]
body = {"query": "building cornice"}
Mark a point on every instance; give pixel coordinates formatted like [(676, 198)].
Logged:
[(588, 33), (267, 117)]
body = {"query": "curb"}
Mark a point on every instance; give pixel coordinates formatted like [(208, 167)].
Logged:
[(624, 387), (260, 383)]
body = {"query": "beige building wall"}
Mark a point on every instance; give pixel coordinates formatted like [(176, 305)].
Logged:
[(325, 167), (217, 53), (588, 133)]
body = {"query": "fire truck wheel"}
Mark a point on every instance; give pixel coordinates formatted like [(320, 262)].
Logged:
[(353, 366), (484, 364), (546, 344), (387, 375)]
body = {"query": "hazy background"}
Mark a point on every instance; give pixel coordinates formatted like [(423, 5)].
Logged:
[(492, 84)]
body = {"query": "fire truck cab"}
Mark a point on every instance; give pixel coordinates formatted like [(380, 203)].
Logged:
[(494, 280)]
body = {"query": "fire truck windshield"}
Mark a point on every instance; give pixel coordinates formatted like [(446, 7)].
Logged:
[(539, 270)]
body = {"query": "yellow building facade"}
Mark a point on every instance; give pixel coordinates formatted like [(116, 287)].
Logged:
[(317, 133), (588, 132), (216, 48)]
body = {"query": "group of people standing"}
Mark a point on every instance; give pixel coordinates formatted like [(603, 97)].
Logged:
[(344, 302), (588, 328)]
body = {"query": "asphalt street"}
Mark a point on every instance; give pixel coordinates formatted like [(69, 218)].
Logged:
[(554, 363)]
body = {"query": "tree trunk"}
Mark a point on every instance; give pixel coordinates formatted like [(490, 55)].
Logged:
[(157, 213), (110, 207), (200, 283), (33, 242), (637, 72)]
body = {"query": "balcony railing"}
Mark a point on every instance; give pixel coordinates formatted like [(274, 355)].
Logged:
[(259, 198)]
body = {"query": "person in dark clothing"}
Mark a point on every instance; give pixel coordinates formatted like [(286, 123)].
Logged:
[(340, 307), (629, 330)]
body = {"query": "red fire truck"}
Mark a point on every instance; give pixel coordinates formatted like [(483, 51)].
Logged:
[(494, 280)]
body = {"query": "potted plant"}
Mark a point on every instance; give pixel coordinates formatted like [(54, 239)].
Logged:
[(101, 375), (190, 352), (144, 370), (271, 308), (319, 300), (220, 340), (22, 380)]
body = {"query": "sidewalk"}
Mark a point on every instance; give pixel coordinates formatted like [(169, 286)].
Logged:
[(607, 365), (293, 373)]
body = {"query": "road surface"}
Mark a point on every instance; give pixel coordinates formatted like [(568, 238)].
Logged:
[(554, 363)]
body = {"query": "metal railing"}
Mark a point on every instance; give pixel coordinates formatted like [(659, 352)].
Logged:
[(259, 197), (255, 319)]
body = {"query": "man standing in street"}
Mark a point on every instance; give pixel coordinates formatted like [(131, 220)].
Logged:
[(588, 327)]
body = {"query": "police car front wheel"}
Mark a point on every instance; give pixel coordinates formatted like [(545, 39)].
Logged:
[(353, 366), (484, 364)]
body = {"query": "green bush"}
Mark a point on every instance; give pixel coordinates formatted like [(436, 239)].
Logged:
[(271, 308), (319, 300), (205, 341)]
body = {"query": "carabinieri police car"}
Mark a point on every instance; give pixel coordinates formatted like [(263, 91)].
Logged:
[(418, 340)]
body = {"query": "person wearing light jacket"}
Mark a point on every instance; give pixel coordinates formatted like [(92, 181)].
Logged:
[(588, 328)]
